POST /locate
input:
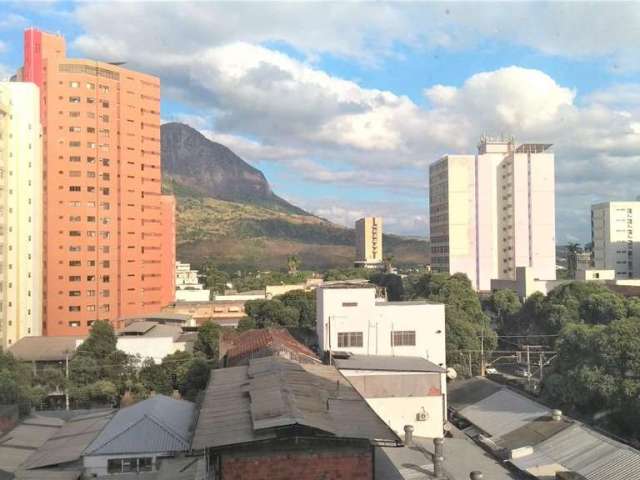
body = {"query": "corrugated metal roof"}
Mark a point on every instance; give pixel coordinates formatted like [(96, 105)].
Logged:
[(245, 404), (462, 393), (45, 349), (69, 441), (158, 424), (503, 412), (587, 452), (48, 474), (387, 363)]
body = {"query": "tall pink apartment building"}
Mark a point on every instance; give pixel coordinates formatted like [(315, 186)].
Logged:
[(494, 211), (109, 233)]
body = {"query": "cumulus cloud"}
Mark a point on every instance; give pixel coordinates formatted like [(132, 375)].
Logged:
[(275, 106)]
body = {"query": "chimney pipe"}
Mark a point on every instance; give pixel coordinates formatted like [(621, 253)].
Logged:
[(438, 457), (475, 475), (408, 435)]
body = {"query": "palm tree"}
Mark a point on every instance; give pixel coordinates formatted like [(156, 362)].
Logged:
[(293, 262), (388, 263), (572, 258)]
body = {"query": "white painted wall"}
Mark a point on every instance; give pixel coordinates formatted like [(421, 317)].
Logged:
[(21, 219), (376, 320), (192, 295), (96, 465), (150, 347)]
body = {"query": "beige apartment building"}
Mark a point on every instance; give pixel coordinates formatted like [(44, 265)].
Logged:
[(369, 242), (615, 234), (493, 212), (20, 212)]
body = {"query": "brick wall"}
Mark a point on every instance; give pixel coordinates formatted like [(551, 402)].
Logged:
[(350, 465)]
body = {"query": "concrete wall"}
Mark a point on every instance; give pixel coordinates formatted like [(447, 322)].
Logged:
[(192, 295), (356, 310)]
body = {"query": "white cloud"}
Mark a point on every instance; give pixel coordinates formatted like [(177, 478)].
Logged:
[(12, 20), (272, 106)]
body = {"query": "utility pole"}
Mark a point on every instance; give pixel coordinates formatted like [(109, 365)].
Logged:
[(529, 366), (482, 352), (66, 388)]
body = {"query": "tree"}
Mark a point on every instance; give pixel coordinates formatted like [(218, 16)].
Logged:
[(214, 279), (388, 264), (504, 304), (272, 313), (572, 259), (603, 307), (155, 377), (293, 263), (100, 343), (305, 304), (207, 340), (196, 379), (246, 323), (392, 283)]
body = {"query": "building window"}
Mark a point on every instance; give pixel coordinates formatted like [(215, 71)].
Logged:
[(129, 465), (74, 308), (74, 84), (74, 99), (74, 263), (74, 158), (349, 304), (350, 339), (403, 338), (74, 293), (74, 278), (74, 324)]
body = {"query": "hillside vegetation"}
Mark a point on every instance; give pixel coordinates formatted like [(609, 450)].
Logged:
[(246, 236)]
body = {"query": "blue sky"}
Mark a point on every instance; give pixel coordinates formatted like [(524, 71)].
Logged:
[(344, 105)]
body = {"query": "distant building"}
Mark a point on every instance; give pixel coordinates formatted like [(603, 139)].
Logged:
[(277, 419), (238, 349), (369, 242), (188, 286), (226, 313), (615, 233), (350, 318), (21, 223), (493, 212), (401, 390), (310, 284)]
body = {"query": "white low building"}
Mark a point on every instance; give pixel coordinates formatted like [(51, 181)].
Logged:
[(138, 437), (188, 286), (350, 318), (152, 340), (401, 390)]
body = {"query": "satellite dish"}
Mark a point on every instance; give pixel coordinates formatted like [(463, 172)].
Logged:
[(451, 373)]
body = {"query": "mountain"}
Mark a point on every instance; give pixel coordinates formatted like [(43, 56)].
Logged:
[(210, 169), (227, 212)]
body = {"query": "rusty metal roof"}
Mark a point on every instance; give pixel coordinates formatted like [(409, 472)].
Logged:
[(254, 340), (248, 403)]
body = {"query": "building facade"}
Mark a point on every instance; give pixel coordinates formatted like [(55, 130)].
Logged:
[(616, 238), (20, 212), (369, 242), (188, 286), (350, 318), (107, 229), (493, 212)]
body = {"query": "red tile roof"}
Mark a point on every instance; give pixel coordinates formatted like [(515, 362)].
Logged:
[(255, 340)]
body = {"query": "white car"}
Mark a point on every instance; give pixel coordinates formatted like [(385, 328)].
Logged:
[(491, 371)]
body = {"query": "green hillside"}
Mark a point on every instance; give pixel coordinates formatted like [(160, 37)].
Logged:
[(245, 236)]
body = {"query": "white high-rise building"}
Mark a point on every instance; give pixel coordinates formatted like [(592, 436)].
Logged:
[(20, 212), (615, 233), (494, 211)]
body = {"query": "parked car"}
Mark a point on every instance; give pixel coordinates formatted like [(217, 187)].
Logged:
[(491, 371)]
